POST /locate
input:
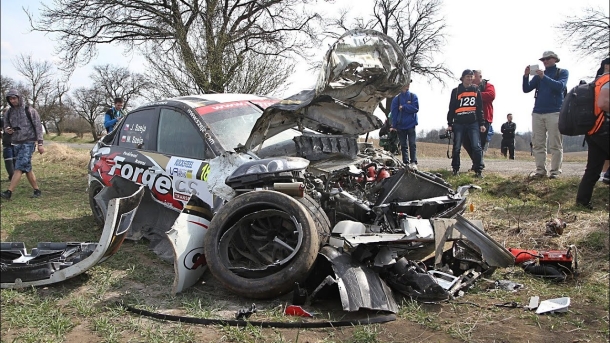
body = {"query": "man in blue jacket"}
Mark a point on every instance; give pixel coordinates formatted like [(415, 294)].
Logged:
[(404, 120), (114, 114), (550, 86)]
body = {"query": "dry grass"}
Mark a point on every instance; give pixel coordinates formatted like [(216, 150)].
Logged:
[(61, 154)]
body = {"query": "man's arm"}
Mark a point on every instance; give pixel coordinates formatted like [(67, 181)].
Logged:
[(452, 107), (489, 93), (413, 107), (479, 110), (38, 125), (603, 99), (529, 85), (556, 85)]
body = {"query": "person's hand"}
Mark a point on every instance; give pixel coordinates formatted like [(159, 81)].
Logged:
[(9, 130), (400, 108), (449, 128), (482, 128), (527, 71), (392, 129), (40, 149), (540, 73)]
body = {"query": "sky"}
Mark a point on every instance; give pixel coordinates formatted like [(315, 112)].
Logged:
[(499, 37)]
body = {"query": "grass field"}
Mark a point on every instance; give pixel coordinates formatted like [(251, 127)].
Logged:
[(514, 211)]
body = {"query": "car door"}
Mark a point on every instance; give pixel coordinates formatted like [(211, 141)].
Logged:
[(179, 139)]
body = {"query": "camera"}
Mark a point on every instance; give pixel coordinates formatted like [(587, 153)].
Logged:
[(445, 135)]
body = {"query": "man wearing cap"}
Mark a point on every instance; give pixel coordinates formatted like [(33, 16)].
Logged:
[(550, 85), (404, 120), (465, 117)]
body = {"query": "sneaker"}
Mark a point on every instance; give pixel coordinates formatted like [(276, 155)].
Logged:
[(6, 194), (478, 175), (535, 175), (455, 172), (606, 180), (413, 166), (553, 176), (37, 193)]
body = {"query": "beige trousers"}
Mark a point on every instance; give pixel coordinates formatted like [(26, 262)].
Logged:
[(543, 124)]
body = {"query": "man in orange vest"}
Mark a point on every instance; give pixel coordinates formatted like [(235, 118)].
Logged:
[(597, 139)]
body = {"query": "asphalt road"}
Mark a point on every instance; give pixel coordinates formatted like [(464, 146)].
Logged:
[(504, 167)]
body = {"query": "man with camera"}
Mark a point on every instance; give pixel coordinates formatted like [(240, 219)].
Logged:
[(404, 120), (550, 86), (465, 118)]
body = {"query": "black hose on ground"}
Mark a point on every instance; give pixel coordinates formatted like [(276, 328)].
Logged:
[(230, 322)]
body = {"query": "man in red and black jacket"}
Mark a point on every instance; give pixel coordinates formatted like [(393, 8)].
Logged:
[(488, 95), (465, 118)]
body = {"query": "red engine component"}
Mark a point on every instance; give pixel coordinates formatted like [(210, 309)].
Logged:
[(551, 263), (383, 174)]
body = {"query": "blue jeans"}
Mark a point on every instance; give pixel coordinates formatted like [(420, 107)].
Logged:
[(9, 159), (472, 131), (405, 136)]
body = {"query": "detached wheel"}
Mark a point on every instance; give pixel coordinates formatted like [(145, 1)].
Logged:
[(94, 188), (262, 242)]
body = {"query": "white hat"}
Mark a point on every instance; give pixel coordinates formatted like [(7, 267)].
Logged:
[(549, 54)]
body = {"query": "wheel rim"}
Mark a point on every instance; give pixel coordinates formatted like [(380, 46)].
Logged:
[(260, 243)]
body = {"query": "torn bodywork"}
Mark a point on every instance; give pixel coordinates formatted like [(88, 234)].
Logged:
[(50, 263)]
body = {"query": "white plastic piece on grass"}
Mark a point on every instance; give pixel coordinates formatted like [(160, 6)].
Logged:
[(554, 305)]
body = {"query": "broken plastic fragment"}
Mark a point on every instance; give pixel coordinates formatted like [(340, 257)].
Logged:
[(554, 305), (294, 310)]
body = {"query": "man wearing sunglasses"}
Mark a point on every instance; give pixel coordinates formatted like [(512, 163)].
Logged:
[(550, 85)]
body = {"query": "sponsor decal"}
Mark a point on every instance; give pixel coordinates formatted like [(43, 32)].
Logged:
[(140, 162), (203, 172), (137, 140), (182, 197), (179, 172), (196, 120), (188, 187), (130, 154), (139, 128), (123, 139), (158, 183), (194, 258), (184, 163)]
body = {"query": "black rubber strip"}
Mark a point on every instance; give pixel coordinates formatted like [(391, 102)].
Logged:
[(229, 322)]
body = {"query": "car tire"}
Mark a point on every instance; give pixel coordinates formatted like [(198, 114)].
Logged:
[(280, 279), (94, 188)]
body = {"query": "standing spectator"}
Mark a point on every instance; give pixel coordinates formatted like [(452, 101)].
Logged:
[(550, 86), (465, 117), (490, 133), (23, 123), (7, 150), (404, 120), (488, 95), (597, 141), (508, 137), (114, 114)]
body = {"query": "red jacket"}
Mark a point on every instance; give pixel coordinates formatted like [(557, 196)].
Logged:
[(488, 94)]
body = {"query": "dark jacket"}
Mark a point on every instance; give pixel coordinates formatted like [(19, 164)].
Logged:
[(16, 117), (550, 89), (6, 138), (407, 117), (465, 106), (508, 130)]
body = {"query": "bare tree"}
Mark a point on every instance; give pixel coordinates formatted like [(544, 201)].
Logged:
[(417, 27), (211, 39), (588, 32), (38, 75), (118, 82), (52, 106), (88, 104)]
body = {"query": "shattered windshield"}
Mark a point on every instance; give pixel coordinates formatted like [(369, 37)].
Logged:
[(232, 122)]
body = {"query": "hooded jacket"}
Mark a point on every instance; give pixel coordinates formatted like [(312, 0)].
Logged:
[(488, 95), (16, 117), (550, 89)]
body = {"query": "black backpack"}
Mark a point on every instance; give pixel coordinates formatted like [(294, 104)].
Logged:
[(577, 114)]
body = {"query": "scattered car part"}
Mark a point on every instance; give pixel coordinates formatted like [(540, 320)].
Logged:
[(359, 287), (551, 264), (411, 280), (50, 263), (508, 285), (554, 305), (294, 310), (245, 313), (533, 304), (445, 280)]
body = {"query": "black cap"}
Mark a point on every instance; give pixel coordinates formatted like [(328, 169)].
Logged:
[(466, 72), (601, 67)]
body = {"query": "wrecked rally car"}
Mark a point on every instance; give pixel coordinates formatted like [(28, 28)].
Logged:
[(257, 209)]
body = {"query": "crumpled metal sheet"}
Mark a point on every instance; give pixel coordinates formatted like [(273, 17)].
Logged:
[(361, 68), (359, 286)]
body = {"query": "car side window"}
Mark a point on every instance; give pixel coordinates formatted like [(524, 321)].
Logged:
[(177, 135), (138, 130)]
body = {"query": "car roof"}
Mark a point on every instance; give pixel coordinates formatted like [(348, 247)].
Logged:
[(199, 100)]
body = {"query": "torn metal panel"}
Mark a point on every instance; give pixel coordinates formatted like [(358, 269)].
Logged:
[(411, 280), (186, 236), (221, 168), (360, 70), (317, 147), (359, 286), (50, 263), (493, 253)]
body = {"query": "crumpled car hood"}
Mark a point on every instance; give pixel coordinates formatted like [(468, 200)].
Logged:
[(361, 69)]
